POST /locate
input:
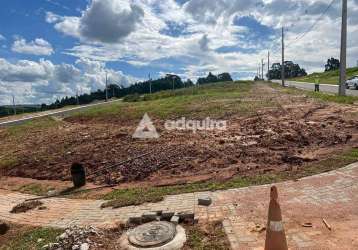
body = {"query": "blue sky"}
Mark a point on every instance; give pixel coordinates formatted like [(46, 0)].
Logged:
[(53, 48)]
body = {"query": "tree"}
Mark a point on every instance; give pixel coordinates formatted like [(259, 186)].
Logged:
[(291, 70), (211, 78), (188, 83), (332, 64), (224, 77)]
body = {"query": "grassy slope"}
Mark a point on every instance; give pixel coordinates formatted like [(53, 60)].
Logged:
[(331, 77), (204, 101)]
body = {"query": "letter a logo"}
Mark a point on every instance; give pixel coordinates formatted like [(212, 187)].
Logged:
[(146, 129)]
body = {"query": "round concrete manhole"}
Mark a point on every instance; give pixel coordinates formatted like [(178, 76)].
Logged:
[(153, 234)]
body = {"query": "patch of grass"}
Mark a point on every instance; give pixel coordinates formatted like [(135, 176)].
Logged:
[(8, 161), (333, 98), (131, 197), (326, 97), (211, 236), (137, 196), (330, 77), (28, 239), (35, 189), (132, 98), (31, 126)]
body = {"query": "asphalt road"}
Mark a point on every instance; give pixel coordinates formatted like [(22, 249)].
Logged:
[(15, 121), (328, 88)]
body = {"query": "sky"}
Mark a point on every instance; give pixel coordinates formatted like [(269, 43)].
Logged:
[(53, 48)]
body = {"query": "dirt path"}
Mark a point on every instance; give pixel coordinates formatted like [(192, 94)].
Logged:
[(332, 196)]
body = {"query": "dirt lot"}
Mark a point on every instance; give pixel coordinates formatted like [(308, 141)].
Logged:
[(294, 131)]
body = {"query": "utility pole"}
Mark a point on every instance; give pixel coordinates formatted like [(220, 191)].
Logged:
[(13, 104), (262, 69), (150, 84), (343, 65), (268, 65), (78, 101), (259, 70), (283, 58), (106, 87)]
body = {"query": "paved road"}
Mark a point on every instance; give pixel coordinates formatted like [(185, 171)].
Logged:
[(15, 121), (332, 196), (329, 88)]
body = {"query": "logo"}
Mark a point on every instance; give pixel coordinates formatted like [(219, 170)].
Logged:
[(195, 125), (146, 129)]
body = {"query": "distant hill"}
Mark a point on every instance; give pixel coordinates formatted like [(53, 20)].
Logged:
[(329, 77)]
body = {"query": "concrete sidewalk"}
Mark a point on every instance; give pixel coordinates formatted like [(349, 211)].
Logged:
[(332, 196)]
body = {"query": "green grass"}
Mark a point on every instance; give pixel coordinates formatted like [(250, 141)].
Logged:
[(35, 189), (31, 126), (211, 237), (330, 77), (28, 240), (8, 161), (326, 97), (136, 196), (213, 99)]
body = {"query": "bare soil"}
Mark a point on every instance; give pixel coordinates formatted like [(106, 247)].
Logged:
[(297, 131)]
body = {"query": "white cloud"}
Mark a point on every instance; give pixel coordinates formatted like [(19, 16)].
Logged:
[(191, 33), (43, 81), (109, 21), (103, 21), (2, 38), (38, 47)]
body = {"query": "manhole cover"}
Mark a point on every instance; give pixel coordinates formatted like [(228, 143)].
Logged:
[(152, 234)]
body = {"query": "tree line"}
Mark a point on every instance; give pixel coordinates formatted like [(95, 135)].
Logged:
[(294, 70), (170, 81), (291, 70)]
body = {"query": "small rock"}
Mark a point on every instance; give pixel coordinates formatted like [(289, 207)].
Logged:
[(39, 240), (53, 245), (175, 219), (63, 236), (84, 246), (75, 247), (166, 215), (185, 215), (135, 220), (149, 216), (51, 192), (42, 208), (204, 201)]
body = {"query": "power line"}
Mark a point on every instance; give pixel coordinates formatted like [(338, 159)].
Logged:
[(299, 37)]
